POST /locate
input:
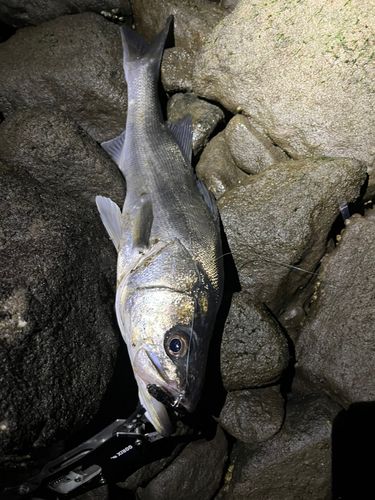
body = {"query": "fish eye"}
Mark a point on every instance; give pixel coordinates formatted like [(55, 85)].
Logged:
[(176, 343)]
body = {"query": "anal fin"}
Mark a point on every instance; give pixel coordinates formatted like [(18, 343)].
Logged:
[(110, 214), (182, 131)]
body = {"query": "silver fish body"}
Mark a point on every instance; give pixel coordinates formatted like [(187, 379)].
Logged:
[(169, 272)]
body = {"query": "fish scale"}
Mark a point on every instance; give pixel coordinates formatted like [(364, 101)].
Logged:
[(169, 274)]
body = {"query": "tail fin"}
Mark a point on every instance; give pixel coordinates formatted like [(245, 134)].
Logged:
[(136, 48)]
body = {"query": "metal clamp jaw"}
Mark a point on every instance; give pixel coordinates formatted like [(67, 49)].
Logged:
[(94, 462)]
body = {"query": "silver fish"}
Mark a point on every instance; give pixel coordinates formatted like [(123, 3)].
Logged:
[(169, 271)]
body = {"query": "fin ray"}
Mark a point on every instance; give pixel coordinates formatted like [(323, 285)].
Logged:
[(114, 147), (183, 133), (110, 214)]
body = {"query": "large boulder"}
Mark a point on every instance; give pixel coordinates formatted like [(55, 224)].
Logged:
[(55, 150), (20, 14), (296, 463), (253, 416), (75, 63), (334, 349), (254, 349), (281, 217), (193, 19), (58, 334), (195, 473), (304, 73)]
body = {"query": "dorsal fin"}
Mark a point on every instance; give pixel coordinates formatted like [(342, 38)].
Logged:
[(110, 214), (114, 147), (141, 225), (183, 133)]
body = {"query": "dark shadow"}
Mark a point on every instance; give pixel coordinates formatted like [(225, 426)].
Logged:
[(6, 31), (353, 453)]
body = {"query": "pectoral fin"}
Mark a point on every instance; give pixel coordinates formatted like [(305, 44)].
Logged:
[(110, 214), (141, 225)]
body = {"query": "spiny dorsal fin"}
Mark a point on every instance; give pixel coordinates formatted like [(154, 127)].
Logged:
[(114, 147), (210, 202), (183, 133), (141, 225), (110, 214)]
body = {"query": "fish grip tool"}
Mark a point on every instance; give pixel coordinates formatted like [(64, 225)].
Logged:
[(111, 455)]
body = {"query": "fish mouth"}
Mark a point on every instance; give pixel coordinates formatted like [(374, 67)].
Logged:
[(170, 393)]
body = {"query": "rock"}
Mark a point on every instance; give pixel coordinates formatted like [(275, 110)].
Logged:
[(37, 12), (75, 63), (58, 334), (253, 416), (334, 347), (60, 156), (251, 150), (228, 4), (296, 463), (217, 168), (193, 19), (177, 70), (195, 473), (101, 493), (305, 75), (254, 350), (205, 117), (281, 217)]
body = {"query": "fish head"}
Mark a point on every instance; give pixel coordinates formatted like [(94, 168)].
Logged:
[(168, 344)]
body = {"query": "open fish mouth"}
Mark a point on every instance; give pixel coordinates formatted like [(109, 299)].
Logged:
[(161, 387)]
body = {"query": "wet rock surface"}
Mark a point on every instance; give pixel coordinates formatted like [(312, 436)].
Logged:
[(73, 63), (198, 468), (308, 89), (60, 155), (177, 70), (205, 117), (253, 416), (296, 463), (300, 78), (217, 168), (193, 20), (254, 350), (338, 332), (281, 217), (58, 335), (251, 150), (39, 11)]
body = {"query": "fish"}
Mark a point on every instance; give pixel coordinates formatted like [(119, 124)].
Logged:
[(167, 235)]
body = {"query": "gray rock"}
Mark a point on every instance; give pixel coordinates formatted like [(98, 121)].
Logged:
[(253, 416), (39, 11), (205, 117), (100, 493), (305, 76), (217, 168), (251, 150), (193, 19), (254, 350), (294, 464), (228, 4), (58, 153), (177, 70), (195, 473), (281, 217), (58, 334), (334, 348), (75, 63)]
